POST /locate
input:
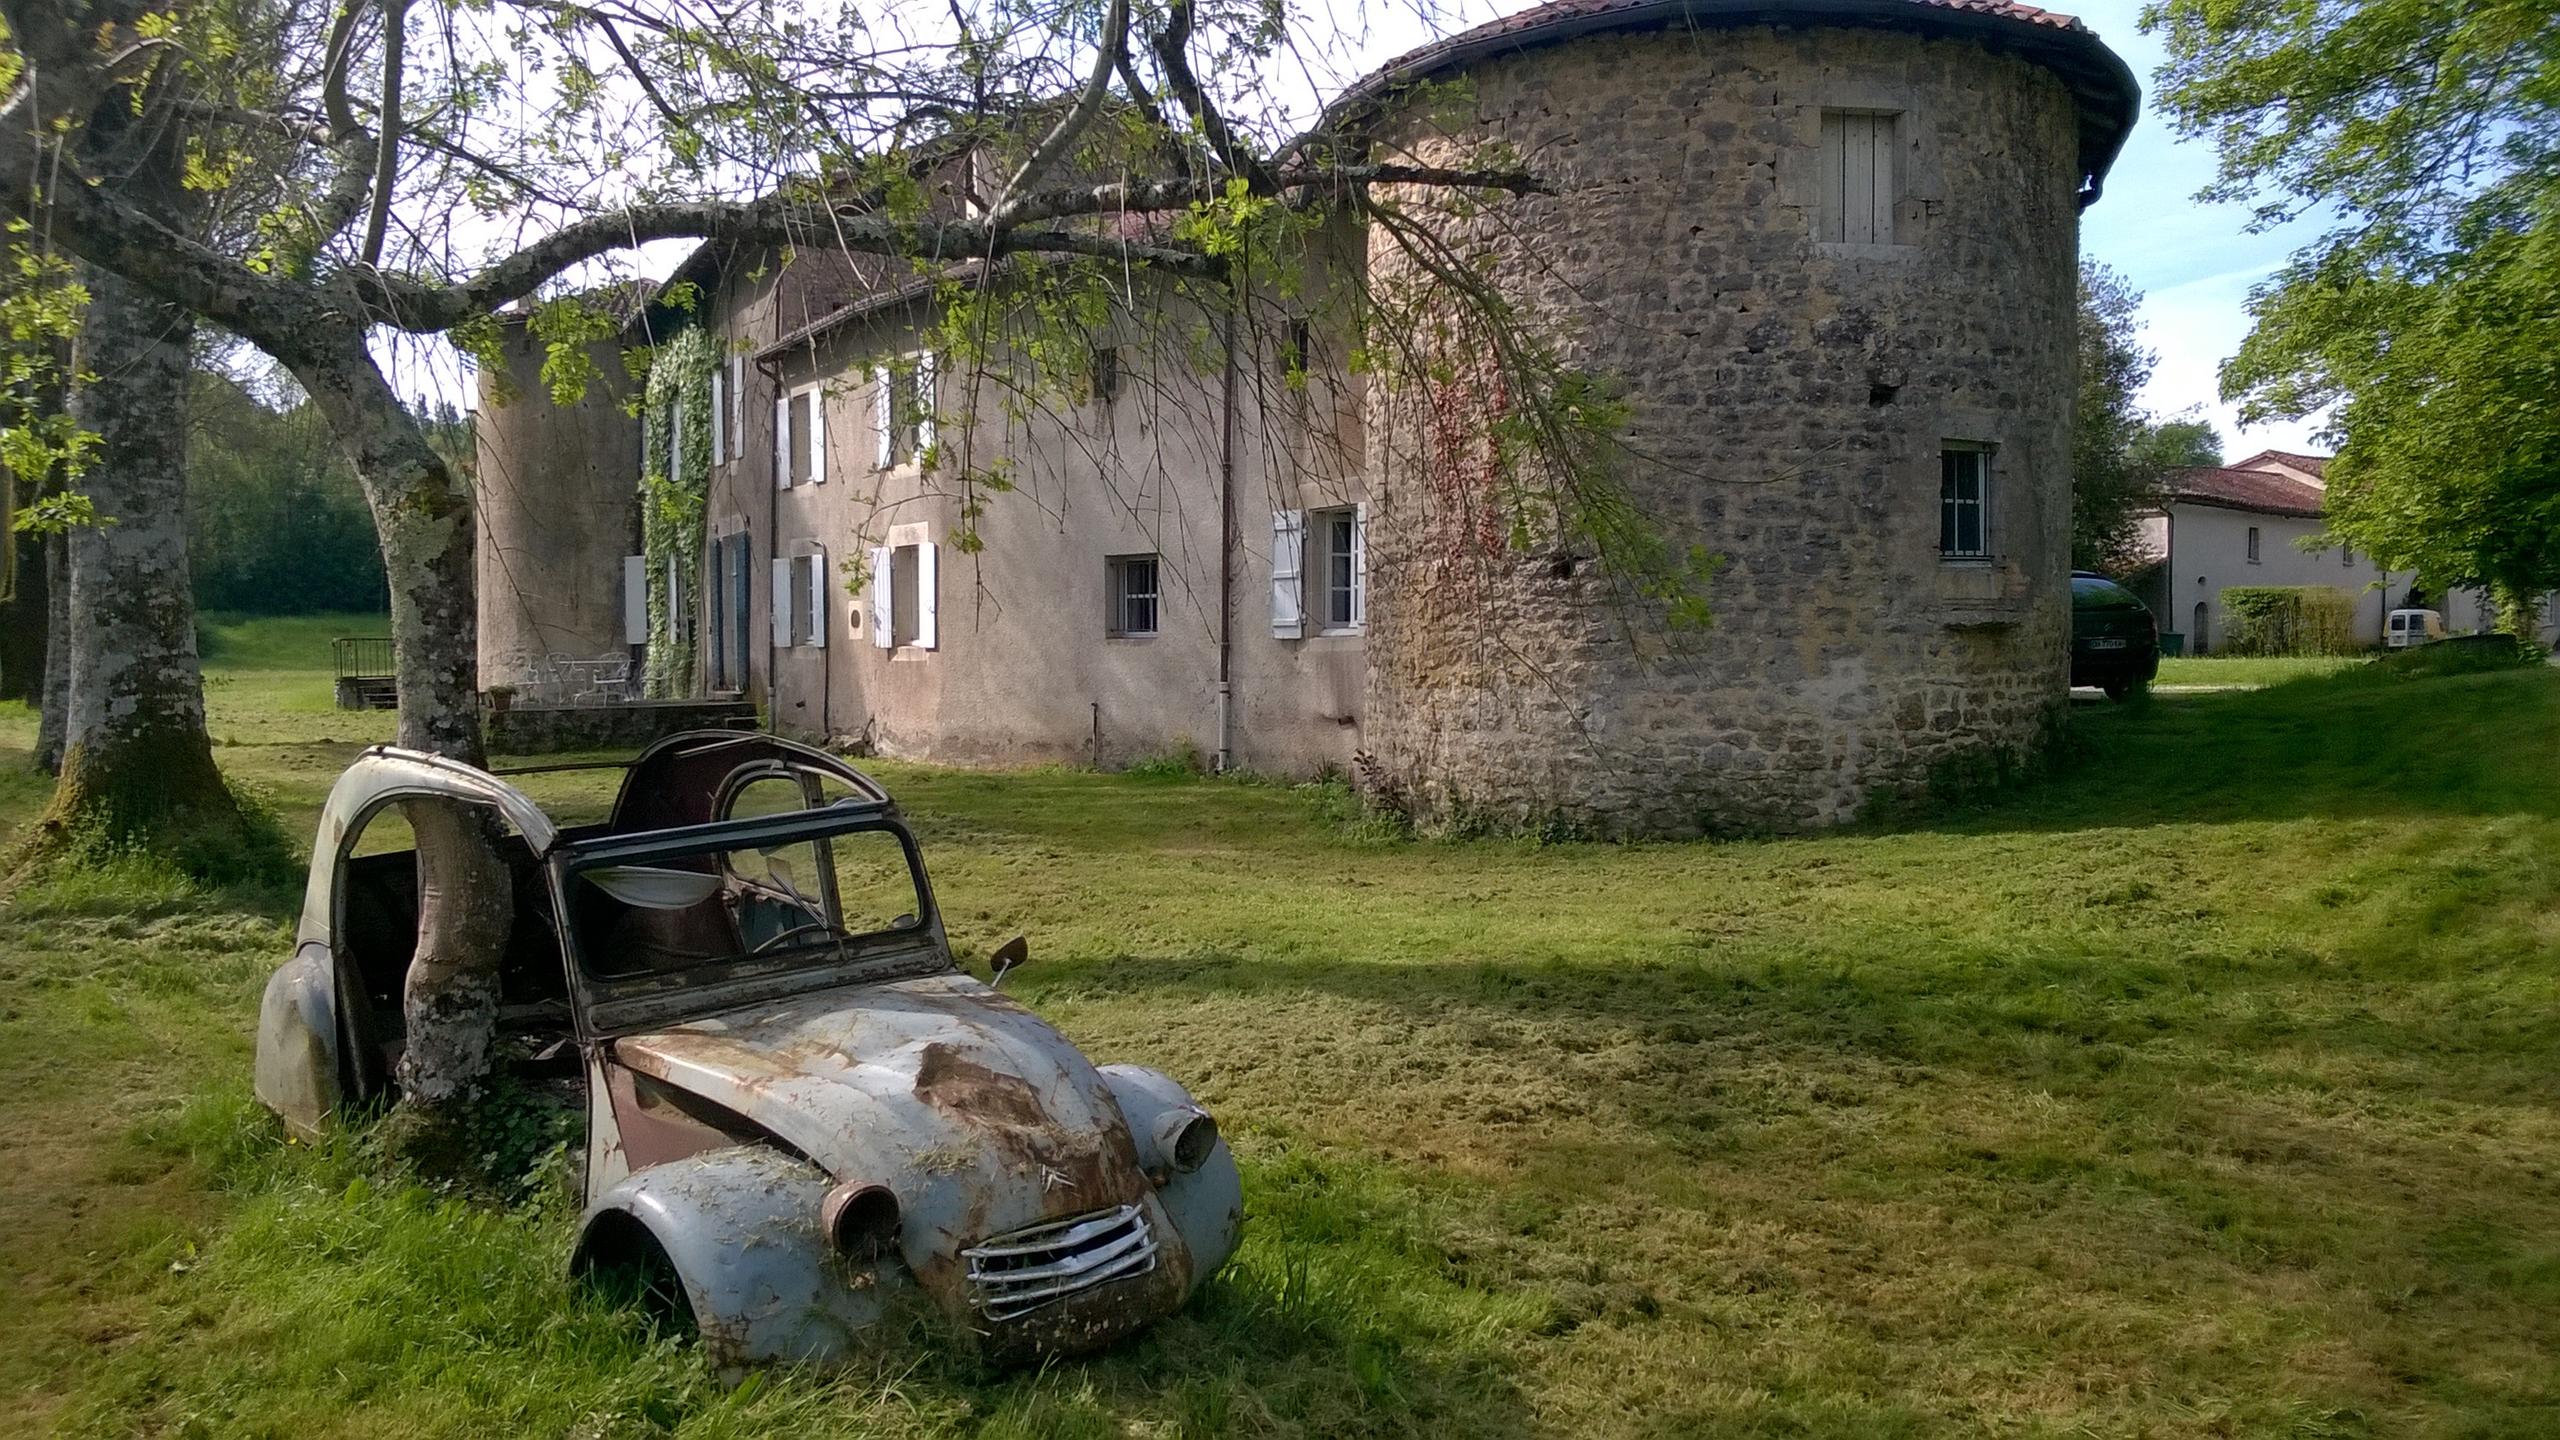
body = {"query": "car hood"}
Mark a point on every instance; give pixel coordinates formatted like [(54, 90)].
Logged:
[(980, 1117)]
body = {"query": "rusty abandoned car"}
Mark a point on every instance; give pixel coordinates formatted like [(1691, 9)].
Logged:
[(801, 1116)]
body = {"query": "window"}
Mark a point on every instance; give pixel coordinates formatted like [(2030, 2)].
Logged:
[(1855, 206), (1964, 503), (809, 437), (904, 602), (809, 600), (1106, 375), (902, 411), (2347, 555), (1133, 595), (1341, 543), (2253, 544)]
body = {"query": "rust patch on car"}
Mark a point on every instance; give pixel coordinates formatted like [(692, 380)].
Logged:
[(952, 1082)]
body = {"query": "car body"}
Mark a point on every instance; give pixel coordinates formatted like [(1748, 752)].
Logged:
[(2404, 628), (803, 1119), (2114, 643)]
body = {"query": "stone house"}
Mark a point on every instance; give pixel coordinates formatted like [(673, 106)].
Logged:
[(2259, 521), (1826, 250)]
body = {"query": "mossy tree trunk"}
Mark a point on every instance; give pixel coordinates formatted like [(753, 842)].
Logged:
[(422, 512), (136, 765)]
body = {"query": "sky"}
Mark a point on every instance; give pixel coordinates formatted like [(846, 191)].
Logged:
[(2193, 262)]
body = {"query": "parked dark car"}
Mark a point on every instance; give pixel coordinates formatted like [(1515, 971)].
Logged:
[(2114, 644)]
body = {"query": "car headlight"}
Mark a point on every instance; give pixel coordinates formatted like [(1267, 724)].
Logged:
[(1185, 1136)]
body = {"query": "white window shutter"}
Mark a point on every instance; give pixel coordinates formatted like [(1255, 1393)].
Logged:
[(818, 436), (782, 441), (719, 417), (1360, 563), (736, 418), (883, 623), (1288, 562), (781, 600), (927, 637), (675, 438), (884, 417), (924, 404), (635, 599), (818, 599)]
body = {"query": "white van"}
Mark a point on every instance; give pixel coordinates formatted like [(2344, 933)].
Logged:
[(2412, 627)]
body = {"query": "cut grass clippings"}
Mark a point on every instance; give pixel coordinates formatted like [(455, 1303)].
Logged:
[(2204, 1088)]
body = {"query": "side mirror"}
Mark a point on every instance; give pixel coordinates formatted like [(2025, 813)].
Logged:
[(1010, 954)]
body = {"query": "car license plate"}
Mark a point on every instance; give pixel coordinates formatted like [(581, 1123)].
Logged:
[(2107, 642)]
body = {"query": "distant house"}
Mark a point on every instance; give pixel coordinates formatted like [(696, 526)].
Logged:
[(2261, 521)]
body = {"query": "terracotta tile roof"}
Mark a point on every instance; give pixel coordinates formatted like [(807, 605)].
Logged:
[(2233, 489), (2108, 95), (2308, 464)]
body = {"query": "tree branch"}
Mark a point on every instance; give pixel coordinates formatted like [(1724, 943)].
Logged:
[(386, 145), (1062, 136), (1231, 152)]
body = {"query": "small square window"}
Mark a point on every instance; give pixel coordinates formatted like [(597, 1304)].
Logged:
[(1964, 503), (906, 595), (1341, 599), (1134, 595)]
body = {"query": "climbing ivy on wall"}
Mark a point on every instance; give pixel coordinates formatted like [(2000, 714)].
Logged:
[(673, 498)]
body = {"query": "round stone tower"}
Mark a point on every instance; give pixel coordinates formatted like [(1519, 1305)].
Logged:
[(558, 505), (1828, 251)]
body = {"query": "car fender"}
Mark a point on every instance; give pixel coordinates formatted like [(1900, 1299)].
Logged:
[(1205, 1205), (740, 1226), (297, 1063)]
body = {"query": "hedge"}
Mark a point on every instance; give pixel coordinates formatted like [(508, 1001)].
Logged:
[(2289, 620)]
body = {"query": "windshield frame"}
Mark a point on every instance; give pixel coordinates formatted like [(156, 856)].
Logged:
[(604, 1005)]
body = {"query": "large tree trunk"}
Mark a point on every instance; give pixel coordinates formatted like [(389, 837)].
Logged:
[(56, 701), (136, 763), (422, 513)]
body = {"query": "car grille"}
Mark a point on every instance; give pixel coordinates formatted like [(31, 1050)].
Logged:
[(1016, 1273)]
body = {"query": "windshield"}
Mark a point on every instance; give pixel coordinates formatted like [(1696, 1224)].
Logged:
[(794, 893)]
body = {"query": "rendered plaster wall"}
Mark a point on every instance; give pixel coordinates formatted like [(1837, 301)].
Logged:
[(557, 510), (1790, 403)]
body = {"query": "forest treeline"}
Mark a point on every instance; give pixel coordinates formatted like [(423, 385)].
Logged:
[(276, 524)]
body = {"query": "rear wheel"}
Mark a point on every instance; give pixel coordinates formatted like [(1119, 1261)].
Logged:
[(2125, 689), (621, 1263)]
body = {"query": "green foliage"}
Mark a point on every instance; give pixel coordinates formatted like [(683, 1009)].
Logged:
[(2429, 316), (276, 520), (673, 497), (2289, 620), (1182, 762), (59, 513), (2119, 451)]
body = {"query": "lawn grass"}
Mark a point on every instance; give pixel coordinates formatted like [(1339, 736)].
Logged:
[(2251, 669), (2206, 1088)]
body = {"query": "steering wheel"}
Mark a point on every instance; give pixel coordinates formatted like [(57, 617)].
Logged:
[(773, 940)]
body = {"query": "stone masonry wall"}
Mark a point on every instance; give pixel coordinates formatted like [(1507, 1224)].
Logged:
[(1791, 399)]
